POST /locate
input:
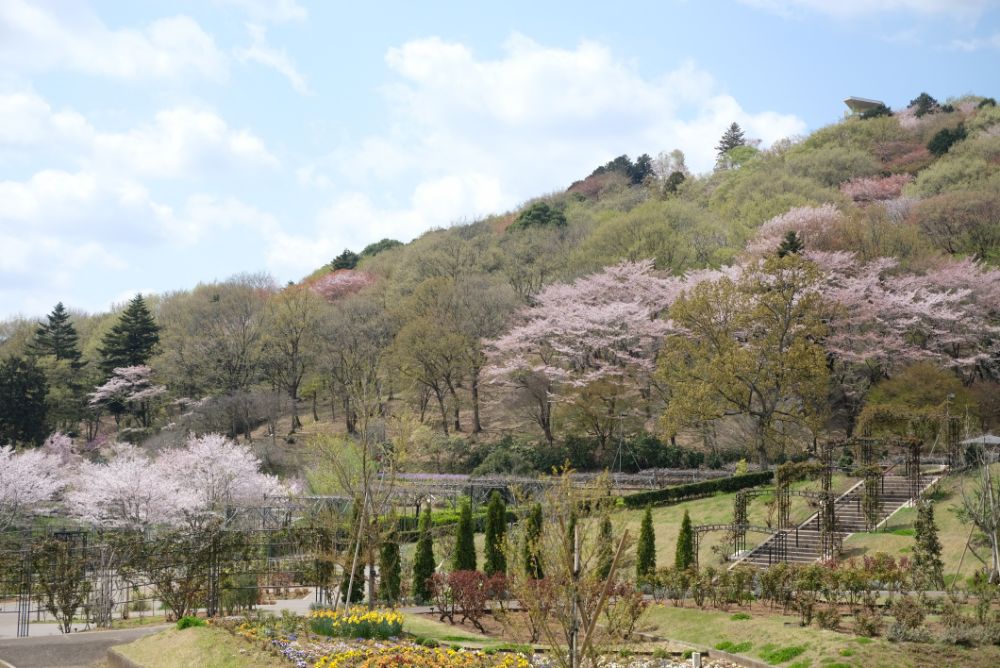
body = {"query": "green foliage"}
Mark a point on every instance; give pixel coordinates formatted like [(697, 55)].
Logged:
[(747, 197), (346, 260), (605, 548), (749, 346), (464, 558), (57, 336), (698, 489), (495, 535), (831, 165), (945, 138), (927, 564), (531, 549), (645, 552), (636, 172), (731, 138), (389, 567), (23, 407), (423, 560), (677, 234), (875, 112), (925, 104), (684, 554), (189, 621), (962, 222), (776, 655), (791, 244), (734, 648), (132, 340), (377, 247), (922, 388), (539, 214)]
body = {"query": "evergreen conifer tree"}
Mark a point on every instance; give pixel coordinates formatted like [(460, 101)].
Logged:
[(684, 556), (731, 138), (927, 548), (346, 260), (23, 406), (132, 340), (496, 529), (389, 565), (465, 546), (791, 244), (57, 337), (605, 553), (531, 548), (423, 560), (645, 558)]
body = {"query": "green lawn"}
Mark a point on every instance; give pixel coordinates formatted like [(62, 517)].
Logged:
[(200, 646), (896, 537), (771, 635)]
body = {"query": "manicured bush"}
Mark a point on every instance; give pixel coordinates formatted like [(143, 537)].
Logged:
[(697, 489)]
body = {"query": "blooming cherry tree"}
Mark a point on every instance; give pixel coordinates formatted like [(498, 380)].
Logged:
[(130, 389), (129, 491), (28, 480), (218, 473)]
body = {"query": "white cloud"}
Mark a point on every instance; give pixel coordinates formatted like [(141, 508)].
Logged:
[(275, 11), (977, 43), (262, 53), (68, 36), (960, 9), (472, 136), (179, 142)]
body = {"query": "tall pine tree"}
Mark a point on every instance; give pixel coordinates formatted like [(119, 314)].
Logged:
[(465, 545), (684, 556), (645, 556), (389, 565), (605, 548), (531, 549), (57, 336), (423, 560), (496, 529), (927, 563), (731, 138), (132, 340), (23, 409)]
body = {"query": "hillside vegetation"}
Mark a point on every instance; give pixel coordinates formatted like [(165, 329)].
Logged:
[(646, 316)]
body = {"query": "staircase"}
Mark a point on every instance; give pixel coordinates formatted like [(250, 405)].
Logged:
[(803, 544)]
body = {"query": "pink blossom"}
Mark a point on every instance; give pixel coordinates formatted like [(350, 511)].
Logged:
[(28, 480), (816, 226), (875, 188), (341, 283)]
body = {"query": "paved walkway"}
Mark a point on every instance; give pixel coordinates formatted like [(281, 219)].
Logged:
[(76, 650)]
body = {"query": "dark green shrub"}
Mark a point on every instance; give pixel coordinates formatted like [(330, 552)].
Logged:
[(187, 621), (698, 489), (945, 138)]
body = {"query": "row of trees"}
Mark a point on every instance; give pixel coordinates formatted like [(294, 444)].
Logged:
[(183, 486)]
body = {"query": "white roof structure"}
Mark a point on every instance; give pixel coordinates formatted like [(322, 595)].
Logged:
[(861, 104)]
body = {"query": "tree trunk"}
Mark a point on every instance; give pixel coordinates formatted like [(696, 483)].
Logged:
[(477, 425), (444, 411)]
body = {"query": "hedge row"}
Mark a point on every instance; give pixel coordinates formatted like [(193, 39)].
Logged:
[(696, 489)]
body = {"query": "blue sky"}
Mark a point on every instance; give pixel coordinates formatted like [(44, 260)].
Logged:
[(148, 146)]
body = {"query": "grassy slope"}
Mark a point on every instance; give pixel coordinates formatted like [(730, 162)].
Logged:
[(199, 646), (822, 648), (952, 532)]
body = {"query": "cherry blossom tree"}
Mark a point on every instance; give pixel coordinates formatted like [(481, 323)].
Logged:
[(342, 283), (28, 480), (129, 491), (130, 389), (218, 473), (875, 188), (815, 225), (590, 344)]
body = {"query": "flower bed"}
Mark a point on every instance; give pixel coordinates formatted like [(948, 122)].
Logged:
[(357, 623), (417, 656)]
